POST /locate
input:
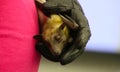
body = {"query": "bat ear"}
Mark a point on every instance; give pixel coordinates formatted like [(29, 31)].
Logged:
[(69, 22), (62, 26), (38, 37)]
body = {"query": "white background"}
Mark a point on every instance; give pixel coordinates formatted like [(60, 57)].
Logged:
[(104, 20)]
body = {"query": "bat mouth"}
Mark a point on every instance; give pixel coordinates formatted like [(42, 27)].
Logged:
[(54, 53), (55, 49)]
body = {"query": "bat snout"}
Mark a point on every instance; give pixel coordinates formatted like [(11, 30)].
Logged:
[(56, 51)]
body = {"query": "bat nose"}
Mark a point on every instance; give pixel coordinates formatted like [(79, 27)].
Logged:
[(57, 53)]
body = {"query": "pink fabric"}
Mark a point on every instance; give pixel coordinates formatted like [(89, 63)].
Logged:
[(18, 25)]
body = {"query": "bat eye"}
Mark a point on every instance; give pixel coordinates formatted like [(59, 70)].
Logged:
[(57, 37)]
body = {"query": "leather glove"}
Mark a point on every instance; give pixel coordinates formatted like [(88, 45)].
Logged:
[(80, 35)]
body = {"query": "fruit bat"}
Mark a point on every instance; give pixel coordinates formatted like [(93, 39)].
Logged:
[(55, 32)]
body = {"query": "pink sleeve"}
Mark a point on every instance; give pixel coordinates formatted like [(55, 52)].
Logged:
[(18, 25)]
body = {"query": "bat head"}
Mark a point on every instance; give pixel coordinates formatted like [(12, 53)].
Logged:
[(56, 34)]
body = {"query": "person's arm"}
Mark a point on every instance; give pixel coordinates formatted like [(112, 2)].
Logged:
[(18, 25)]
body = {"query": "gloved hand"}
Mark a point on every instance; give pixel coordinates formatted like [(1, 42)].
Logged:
[(80, 35)]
